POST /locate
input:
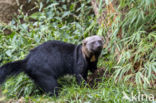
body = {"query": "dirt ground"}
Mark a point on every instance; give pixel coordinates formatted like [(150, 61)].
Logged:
[(97, 76)]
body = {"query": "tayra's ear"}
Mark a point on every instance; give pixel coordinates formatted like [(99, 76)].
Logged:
[(84, 42)]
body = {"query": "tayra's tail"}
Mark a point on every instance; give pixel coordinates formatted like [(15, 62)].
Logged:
[(10, 69)]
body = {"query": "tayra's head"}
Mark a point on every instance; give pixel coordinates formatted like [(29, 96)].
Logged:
[(92, 45)]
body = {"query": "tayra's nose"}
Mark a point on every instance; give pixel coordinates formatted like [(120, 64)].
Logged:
[(98, 46)]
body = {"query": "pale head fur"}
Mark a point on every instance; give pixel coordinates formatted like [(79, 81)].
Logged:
[(92, 44)]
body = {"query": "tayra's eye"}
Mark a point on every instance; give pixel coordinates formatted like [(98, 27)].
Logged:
[(99, 41), (93, 42)]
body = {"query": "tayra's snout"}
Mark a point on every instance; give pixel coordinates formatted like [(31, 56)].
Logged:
[(97, 46)]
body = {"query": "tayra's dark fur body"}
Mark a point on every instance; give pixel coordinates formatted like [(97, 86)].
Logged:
[(50, 60)]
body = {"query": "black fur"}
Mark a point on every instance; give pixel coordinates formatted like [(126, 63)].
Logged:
[(50, 60)]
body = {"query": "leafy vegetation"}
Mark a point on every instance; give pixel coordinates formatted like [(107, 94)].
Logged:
[(137, 44), (132, 34)]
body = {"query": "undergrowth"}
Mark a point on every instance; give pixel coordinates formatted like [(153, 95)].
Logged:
[(71, 22)]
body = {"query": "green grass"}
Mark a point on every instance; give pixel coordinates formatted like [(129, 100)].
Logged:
[(104, 91), (134, 70)]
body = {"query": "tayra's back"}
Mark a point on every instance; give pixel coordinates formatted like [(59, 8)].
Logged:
[(52, 57)]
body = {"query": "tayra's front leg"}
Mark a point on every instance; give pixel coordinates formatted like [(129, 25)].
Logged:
[(80, 71), (85, 74), (80, 79)]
